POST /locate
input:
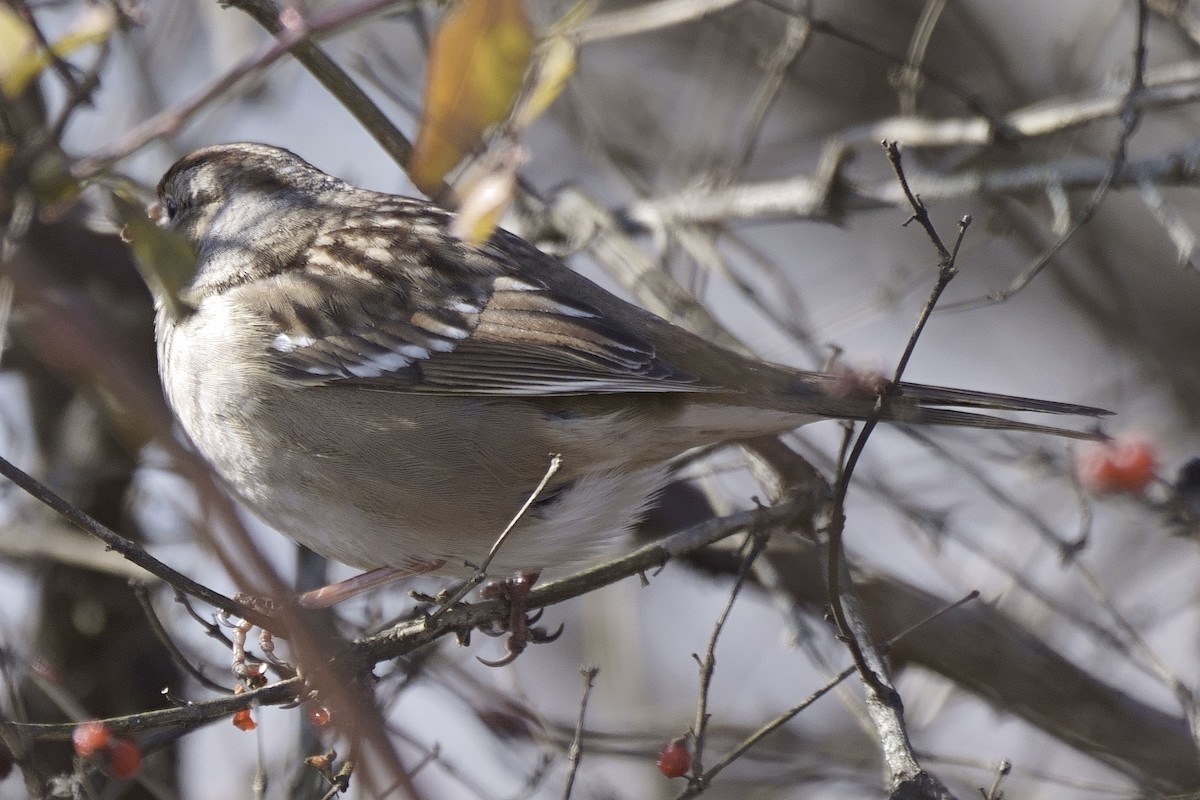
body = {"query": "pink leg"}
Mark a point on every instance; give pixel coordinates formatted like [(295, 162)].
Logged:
[(520, 634), (335, 593)]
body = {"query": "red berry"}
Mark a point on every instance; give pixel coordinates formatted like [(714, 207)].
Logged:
[(124, 758), (1120, 465), (674, 760), (318, 716), (90, 738), (243, 721)]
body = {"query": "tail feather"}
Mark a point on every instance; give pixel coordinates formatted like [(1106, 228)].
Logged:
[(855, 397), (921, 404), (963, 398), (923, 415)]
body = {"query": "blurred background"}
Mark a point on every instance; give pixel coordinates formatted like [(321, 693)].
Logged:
[(734, 148)]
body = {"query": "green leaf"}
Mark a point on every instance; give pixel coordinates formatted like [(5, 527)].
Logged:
[(166, 260)]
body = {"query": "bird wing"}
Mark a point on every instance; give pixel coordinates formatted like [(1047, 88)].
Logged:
[(402, 309)]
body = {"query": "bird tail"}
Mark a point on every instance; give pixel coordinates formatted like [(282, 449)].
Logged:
[(939, 405), (855, 397)]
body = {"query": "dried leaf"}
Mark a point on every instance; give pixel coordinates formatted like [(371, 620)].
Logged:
[(476, 65), (487, 193)]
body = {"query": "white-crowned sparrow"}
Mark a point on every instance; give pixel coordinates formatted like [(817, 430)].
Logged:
[(390, 396)]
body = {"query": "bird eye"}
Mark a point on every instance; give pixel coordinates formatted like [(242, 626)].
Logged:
[(171, 206)]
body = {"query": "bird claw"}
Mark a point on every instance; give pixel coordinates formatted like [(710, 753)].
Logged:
[(517, 642), (520, 625)]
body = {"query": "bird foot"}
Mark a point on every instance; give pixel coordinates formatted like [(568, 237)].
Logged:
[(520, 624)]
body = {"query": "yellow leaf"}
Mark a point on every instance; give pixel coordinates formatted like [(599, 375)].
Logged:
[(554, 66), (18, 53), (93, 25), (21, 59), (166, 260), (476, 65)]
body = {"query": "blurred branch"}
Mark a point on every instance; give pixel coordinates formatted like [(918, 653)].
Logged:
[(910, 78), (1130, 115), (826, 195), (647, 17), (1180, 232), (128, 549), (407, 637), (270, 16), (51, 541), (818, 199), (295, 40)]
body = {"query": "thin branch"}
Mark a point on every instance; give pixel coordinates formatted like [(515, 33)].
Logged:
[(268, 14), (1131, 117), (753, 547), (181, 718), (411, 635), (575, 754), (127, 548), (883, 702), (177, 656), (911, 77), (292, 40), (698, 785), (1184, 694), (480, 574), (647, 17)]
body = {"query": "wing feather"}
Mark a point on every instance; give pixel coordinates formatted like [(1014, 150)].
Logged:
[(461, 326)]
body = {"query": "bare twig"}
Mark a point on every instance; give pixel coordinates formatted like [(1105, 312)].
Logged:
[(160, 633), (947, 269), (993, 792), (129, 549), (575, 754), (696, 786), (291, 40), (752, 548), (1131, 117), (883, 702), (480, 574)]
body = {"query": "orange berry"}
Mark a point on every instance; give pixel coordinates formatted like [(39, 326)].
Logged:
[(674, 760), (243, 721), (124, 758), (90, 738), (1120, 465)]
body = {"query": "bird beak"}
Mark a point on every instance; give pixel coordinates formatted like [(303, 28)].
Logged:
[(157, 214)]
